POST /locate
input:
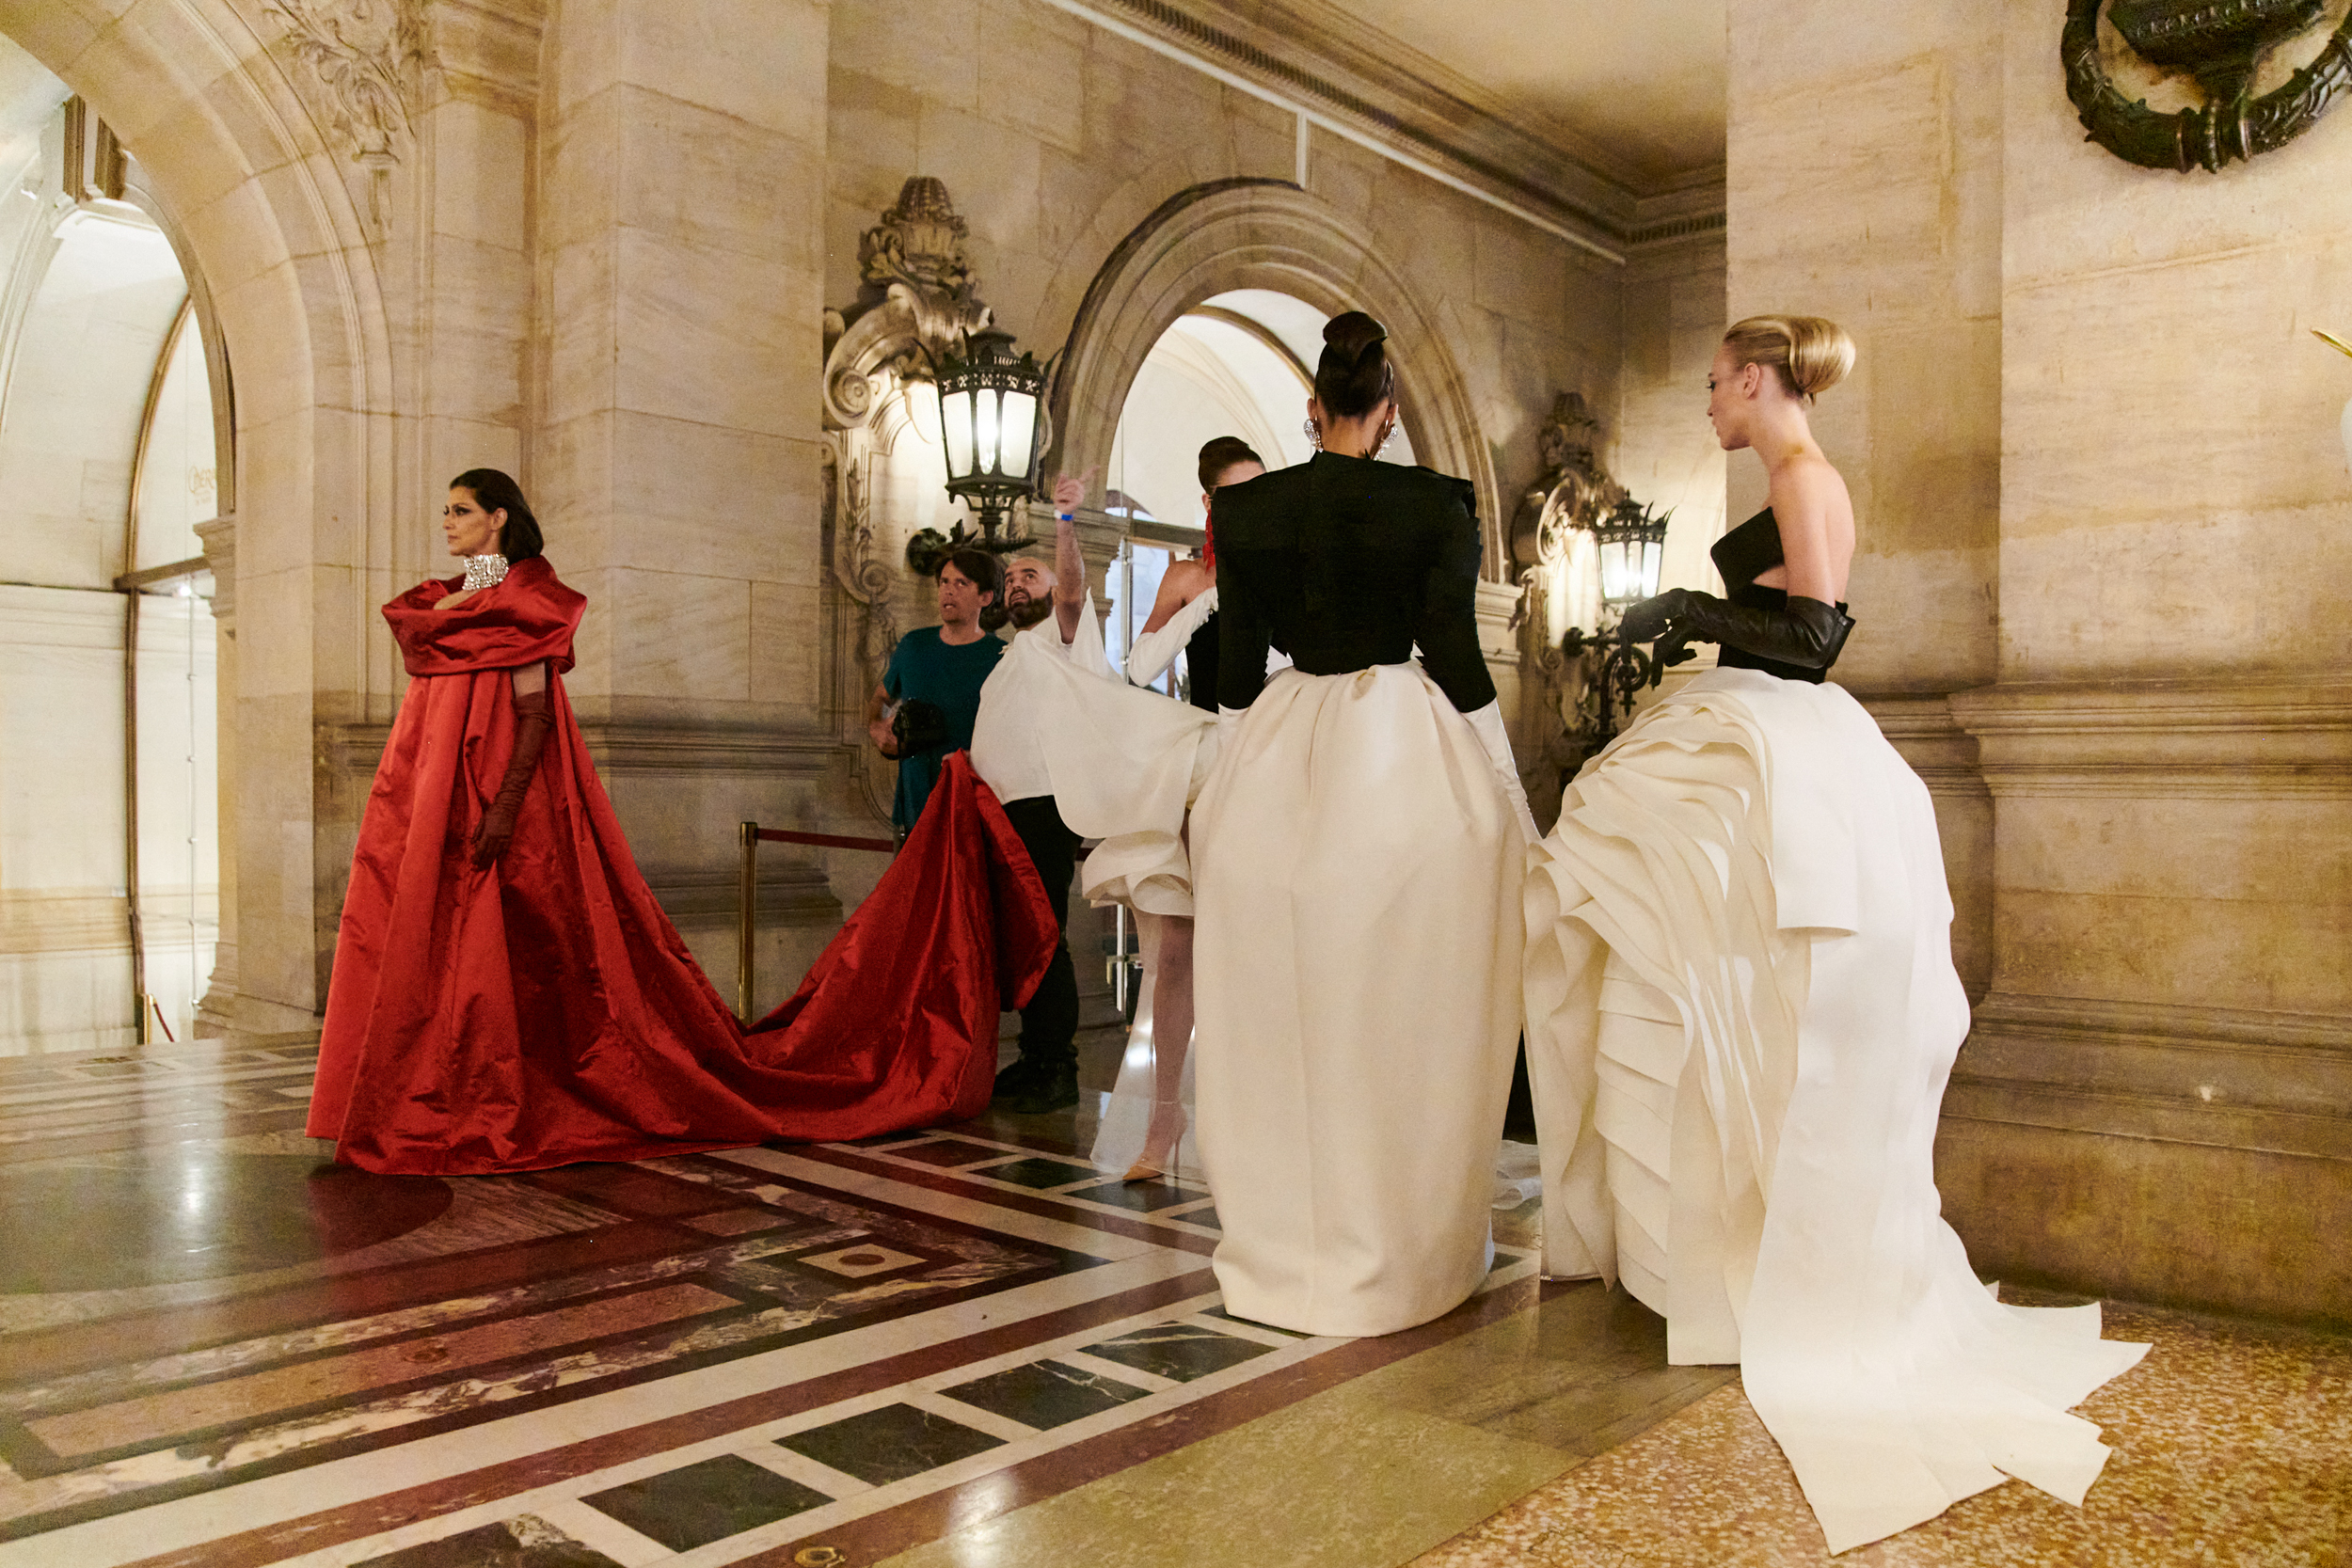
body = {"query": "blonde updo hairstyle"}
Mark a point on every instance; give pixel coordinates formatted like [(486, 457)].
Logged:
[(1811, 354)]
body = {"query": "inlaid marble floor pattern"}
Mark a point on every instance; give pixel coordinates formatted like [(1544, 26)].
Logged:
[(221, 1349), (951, 1349)]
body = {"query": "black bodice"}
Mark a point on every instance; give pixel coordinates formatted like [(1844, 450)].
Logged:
[(1200, 664), (1742, 556), (1346, 563)]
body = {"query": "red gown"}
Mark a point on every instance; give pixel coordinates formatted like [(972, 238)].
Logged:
[(545, 1010)]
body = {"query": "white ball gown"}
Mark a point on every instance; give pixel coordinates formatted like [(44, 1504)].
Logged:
[(1358, 860), (1741, 1012)]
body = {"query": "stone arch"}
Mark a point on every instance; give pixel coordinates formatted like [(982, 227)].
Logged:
[(261, 209), (1257, 233)]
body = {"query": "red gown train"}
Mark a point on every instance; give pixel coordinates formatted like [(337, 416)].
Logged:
[(544, 1011)]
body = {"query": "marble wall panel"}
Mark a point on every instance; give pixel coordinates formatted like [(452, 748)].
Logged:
[(2150, 597), (705, 499), (678, 637), (993, 177), (479, 346), (578, 191), (583, 306), (702, 52), (1659, 445), (1034, 60), (60, 36), (715, 336), (451, 446), (2149, 1219), (480, 176), (787, 665), (931, 47), (282, 880), (717, 183), (61, 772), (277, 375), (2191, 899), (179, 150), (1864, 179)]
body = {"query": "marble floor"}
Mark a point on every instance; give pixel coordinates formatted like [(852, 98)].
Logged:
[(963, 1347)]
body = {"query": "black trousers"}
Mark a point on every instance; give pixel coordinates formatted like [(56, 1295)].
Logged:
[(1049, 1024)]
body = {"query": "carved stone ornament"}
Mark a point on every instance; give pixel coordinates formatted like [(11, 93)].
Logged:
[(1574, 491), (369, 56), (2219, 43), (919, 299)]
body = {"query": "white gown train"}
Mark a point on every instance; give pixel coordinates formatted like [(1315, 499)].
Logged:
[(1741, 1013)]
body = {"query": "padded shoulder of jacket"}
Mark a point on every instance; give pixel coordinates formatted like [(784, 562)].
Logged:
[(1264, 512)]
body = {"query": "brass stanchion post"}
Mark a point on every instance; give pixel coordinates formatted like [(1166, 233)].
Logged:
[(747, 894)]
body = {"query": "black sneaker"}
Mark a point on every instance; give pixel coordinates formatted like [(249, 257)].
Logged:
[(1015, 1079), (1052, 1089)]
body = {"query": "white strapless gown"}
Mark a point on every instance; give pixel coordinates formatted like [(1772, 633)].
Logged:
[(1741, 1012), (1356, 872)]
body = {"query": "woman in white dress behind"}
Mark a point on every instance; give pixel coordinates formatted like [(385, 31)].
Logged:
[(1741, 1012), (1358, 859), (1146, 1127)]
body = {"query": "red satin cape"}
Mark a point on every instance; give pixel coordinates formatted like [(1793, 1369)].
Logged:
[(545, 1011)]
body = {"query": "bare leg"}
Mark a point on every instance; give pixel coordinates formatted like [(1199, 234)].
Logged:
[(1171, 1040)]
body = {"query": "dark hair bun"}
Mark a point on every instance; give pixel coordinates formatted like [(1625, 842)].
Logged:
[(1221, 453), (1355, 376)]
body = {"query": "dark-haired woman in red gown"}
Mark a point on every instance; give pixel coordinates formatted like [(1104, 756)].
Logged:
[(507, 995)]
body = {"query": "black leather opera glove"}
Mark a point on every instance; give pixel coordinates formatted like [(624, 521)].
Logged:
[(1809, 633)]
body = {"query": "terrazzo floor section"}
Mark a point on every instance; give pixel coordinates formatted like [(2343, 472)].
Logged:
[(2232, 1447)]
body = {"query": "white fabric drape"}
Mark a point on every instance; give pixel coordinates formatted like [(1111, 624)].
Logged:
[(1742, 1015), (1121, 762), (1357, 975)]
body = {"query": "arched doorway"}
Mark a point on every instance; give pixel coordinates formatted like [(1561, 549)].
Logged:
[(1263, 238), (264, 209), (111, 453)]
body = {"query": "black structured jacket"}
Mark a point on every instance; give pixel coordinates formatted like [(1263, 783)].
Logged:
[(1346, 563)]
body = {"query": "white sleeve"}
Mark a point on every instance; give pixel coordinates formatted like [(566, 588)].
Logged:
[(1155, 651), (1486, 723)]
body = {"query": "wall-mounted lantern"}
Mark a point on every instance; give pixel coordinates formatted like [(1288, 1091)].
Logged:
[(988, 401), (1633, 543)]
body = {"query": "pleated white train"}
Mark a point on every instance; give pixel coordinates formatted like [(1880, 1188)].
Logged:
[(1741, 1013)]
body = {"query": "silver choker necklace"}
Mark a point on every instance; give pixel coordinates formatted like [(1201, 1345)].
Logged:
[(484, 571)]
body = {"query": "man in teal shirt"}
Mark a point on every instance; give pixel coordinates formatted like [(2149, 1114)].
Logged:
[(935, 675)]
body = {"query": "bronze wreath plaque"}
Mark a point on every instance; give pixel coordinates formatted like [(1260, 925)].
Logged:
[(2219, 43)]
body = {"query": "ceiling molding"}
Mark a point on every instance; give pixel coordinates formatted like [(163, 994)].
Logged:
[(1308, 49)]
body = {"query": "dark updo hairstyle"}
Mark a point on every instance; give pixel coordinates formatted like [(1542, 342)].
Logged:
[(493, 491), (1354, 376), (985, 571), (1226, 451)]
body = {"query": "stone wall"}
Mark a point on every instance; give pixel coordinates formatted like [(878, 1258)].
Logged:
[(592, 241), (2092, 445)]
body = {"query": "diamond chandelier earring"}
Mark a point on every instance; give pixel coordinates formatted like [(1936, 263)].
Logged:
[(1315, 433)]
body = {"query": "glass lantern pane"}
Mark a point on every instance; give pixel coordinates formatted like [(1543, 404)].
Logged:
[(955, 420), (1020, 432), (1614, 587), (1653, 558), (984, 431)]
